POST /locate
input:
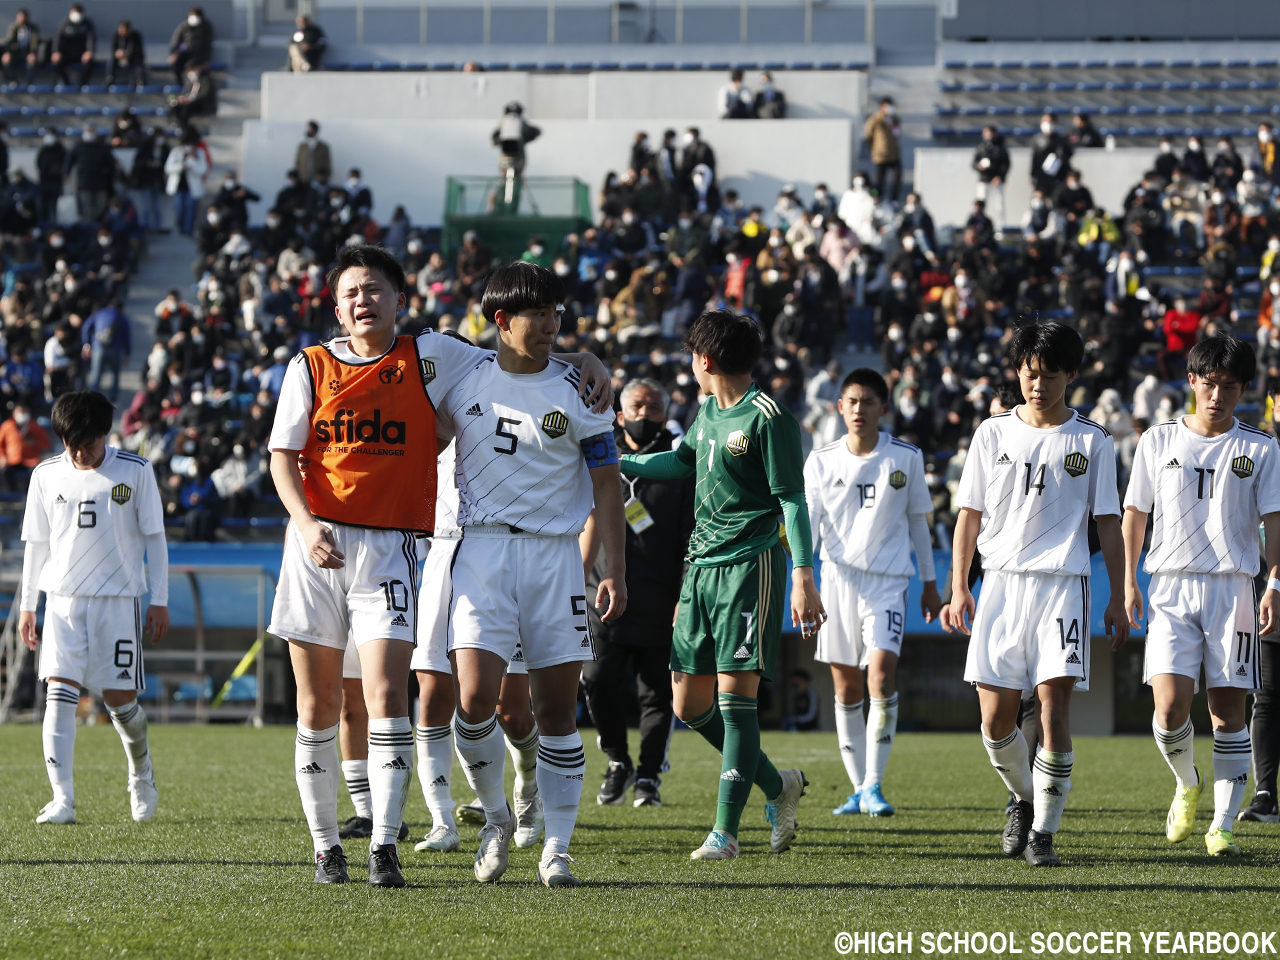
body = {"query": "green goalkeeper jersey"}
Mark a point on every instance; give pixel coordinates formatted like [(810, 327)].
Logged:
[(745, 458)]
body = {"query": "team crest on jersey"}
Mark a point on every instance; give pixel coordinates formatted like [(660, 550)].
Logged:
[(121, 493), (391, 374), (428, 371), (1075, 464), (554, 424), (897, 479), (1242, 467), (737, 443)]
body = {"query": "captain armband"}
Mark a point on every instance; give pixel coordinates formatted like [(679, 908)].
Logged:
[(600, 450)]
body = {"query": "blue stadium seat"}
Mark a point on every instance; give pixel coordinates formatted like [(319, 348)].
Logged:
[(1255, 109), (386, 66), (950, 86), (1058, 86), (832, 65), (150, 688), (802, 65), (1232, 85), (1151, 64), (1198, 110), (946, 111), (502, 66), (1010, 64), (194, 691), (1208, 63), (697, 65), (1147, 86), (1180, 64), (977, 87), (1119, 86), (1237, 64), (857, 65), (242, 689), (1264, 85), (1094, 64), (580, 65), (1002, 111), (973, 112), (1142, 111), (1005, 87), (981, 65), (23, 133), (7, 111), (1201, 86), (954, 64), (606, 66), (1089, 86), (1036, 86), (413, 66), (525, 66), (94, 88), (1123, 64), (1037, 65), (1066, 64), (1112, 111), (662, 65), (719, 66), (774, 65), (1176, 86), (39, 89), (1265, 64)]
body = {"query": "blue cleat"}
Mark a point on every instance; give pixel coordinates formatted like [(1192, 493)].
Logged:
[(853, 804), (873, 802)]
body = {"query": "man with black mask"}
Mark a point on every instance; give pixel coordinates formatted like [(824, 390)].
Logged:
[(659, 520)]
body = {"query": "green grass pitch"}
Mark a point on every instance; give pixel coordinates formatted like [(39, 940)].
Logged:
[(224, 871)]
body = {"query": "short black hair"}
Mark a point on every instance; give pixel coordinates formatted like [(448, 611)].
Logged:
[(732, 340), (81, 417), (520, 285), (866, 377), (1222, 354), (1058, 347), (371, 257)]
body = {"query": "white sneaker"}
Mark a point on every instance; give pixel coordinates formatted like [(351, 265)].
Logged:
[(781, 813), (718, 846), (143, 796), (57, 811), (441, 837), (494, 849), (529, 821), (554, 871)]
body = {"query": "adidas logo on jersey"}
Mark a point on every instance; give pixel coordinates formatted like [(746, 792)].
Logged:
[(311, 768), (741, 653), (440, 781), (474, 410), (397, 763), (1240, 671), (1172, 464), (122, 675), (733, 775), (1003, 460), (59, 499), (1073, 658), (399, 621), (840, 482)]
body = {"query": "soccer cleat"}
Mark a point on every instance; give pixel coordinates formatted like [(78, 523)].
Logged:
[(852, 804), (494, 849), (356, 828), (1039, 850), (57, 811), (554, 871), (529, 821), (1014, 839), (1262, 809), (718, 846), (1182, 812), (441, 837), (384, 867), (781, 811), (1222, 843), (647, 794), (873, 802), (1008, 807), (617, 781), (470, 813), (143, 797), (331, 865), (403, 832)]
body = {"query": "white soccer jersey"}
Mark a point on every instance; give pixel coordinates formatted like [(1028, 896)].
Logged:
[(519, 459), (858, 506), (1206, 496), (94, 522), (1036, 489), (441, 359), (447, 493)]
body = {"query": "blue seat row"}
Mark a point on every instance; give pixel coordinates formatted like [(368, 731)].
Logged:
[(62, 89), (38, 111), (22, 133), (498, 66), (1114, 86), (973, 133), (1150, 63), (1133, 110)]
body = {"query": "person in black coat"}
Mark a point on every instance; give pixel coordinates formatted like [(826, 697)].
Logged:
[(73, 47), (191, 43), (128, 56), (638, 645)]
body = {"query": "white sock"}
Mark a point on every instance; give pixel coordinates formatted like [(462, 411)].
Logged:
[(356, 775), (131, 723), (483, 760), (315, 764), (1178, 748), (851, 732), (1051, 774), (1009, 757), (882, 725), (1230, 774), (390, 773), (435, 768), (524, 756), (59, 737), (561, 767)]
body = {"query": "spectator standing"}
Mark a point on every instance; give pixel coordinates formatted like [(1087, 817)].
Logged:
[(95, 169), (734, 101), (73, 47), (1194, 161), (1083, 132), (107, 345), (128, 56), (21, 46), (185, 169), (1050, 156), (771, 103), (306, 46), (991, 161), (1266, 149), (23, 443), (192, 43), (883, 130), (51, 162), (312, 160)]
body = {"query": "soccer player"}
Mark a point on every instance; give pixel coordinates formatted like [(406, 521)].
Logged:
[(1032, 478), (92, 513), (353, 456), (1208, 480), (745, 451), (868, 505), (531, 460)]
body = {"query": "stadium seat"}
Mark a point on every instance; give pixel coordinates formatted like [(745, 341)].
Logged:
[(718, 66)]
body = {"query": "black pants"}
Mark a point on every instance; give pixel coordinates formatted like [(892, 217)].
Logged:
[(882, 171), (607, 684), (1265, 728)]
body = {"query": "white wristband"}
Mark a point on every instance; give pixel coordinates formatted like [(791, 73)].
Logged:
[(1273, 584)]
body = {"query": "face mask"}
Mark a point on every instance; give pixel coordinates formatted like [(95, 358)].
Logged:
[(189, 448), (611, 275), (685, 223), (104, 241), (538, 250), (962, 282), (352, 183), (21, 419), (731, 258), (628, 218), (335, 202), (1046, 128), (75, 16), (950, 380), (562, 269), (1273, 246), (953, 336), (1249, 176), (899, 283), (859, 183), (1264, 136), (87, 136), (193, 21), (1037, 204), (687, 140), (1194, 146), (908, 243), (1217, 198), (775, 242), (50, 140), (71, 286), (56, 241), (214, 219), (820, 195), (642, 431), (273, 222), (895, 334)]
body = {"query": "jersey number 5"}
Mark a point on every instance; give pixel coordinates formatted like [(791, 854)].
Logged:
[(507, 435)]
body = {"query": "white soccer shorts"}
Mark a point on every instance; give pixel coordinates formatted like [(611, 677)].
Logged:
[(1203, 619), (1029, 628), (867, 612), (93, 641), (373, 596), (513, 590)]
